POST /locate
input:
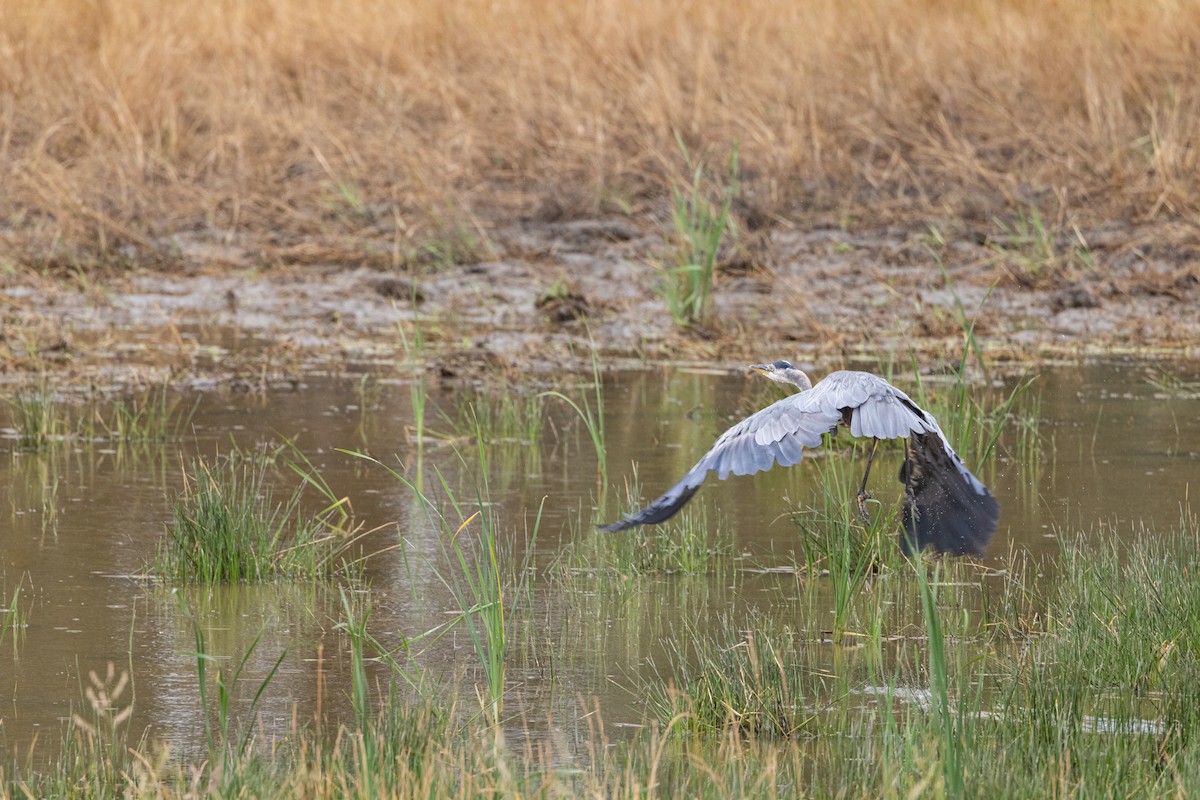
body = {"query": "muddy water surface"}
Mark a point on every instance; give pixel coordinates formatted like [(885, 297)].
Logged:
[(81, 521)]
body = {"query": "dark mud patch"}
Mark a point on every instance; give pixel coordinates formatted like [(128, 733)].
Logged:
[(817, 295)]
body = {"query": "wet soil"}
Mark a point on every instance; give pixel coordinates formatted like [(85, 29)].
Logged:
[(252, 316)]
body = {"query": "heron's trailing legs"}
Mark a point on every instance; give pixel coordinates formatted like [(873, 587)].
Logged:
[(863, 497)]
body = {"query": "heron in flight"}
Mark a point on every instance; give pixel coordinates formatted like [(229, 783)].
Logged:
[(945, 506)]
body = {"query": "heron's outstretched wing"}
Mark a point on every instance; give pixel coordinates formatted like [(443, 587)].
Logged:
[(779, 433)]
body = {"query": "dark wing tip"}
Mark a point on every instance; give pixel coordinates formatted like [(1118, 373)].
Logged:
[(660, 510), (620, 525)]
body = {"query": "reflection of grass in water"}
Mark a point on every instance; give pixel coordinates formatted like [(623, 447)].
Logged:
[(1171, 386), (14, 619), (487, 581), (367, 393), (1029, 449), (34, 484), (228, 738)]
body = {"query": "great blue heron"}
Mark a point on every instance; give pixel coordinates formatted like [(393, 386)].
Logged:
[(945, 506)]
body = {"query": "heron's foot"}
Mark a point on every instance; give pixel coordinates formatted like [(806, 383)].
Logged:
[(863, 497)]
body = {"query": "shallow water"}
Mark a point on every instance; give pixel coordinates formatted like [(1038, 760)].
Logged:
[(83, 521)]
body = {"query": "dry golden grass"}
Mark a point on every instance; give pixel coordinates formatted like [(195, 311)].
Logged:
[(125, 121)]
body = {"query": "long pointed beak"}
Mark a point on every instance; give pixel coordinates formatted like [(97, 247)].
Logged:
[(764, 368)]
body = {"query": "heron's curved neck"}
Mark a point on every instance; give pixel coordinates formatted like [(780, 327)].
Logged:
[(799, 378)]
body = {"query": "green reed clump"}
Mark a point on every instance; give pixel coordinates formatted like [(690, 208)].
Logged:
[(687, 544), (227, 526), (155, 416), (702, 218), (501, 417), (751, 677), (38, 418)]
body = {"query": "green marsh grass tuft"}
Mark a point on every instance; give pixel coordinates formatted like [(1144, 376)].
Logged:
[(41, 420), (751, 677), (155, 416), (38, 418), (228, 526), (1032, 253), (501, 417), (701, 217), (591, 414), (685, 544), (414, 357), (833, 537)]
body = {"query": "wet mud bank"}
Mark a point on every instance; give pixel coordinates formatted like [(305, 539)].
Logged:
[(251, 318)]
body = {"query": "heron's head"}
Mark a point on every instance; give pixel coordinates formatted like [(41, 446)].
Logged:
[(783, 372)]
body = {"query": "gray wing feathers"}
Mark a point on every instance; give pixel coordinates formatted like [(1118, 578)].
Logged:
[(885, 412), (777, 434), (886, 417)]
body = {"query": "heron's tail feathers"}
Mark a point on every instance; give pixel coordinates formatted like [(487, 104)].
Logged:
[(943, 508)]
